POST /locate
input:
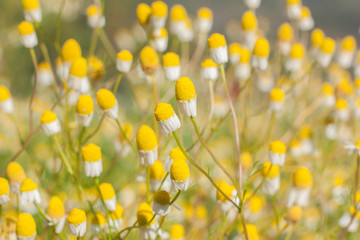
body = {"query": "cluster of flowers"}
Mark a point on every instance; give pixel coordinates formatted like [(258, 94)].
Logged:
[(314, 93)]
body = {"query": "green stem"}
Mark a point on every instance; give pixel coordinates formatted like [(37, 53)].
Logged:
[(275, 212), (35, 63), (125, 136), (93, 43), (148, 170), (40, 211), (18, 204), (117, 83), (176, 197), (63, 156), (260, 185)]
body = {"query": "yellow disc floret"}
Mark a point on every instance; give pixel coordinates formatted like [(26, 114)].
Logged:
[(269, 170), (317, 37), (179, 171), (146, 138), (246, 160), (163, 111), (178, 13), (160, 33), (143, 12), (245, 56), (28, 185), (277, 147), (177, 154), (341, 104), (327, 89), (25, 225), (105, 99), (294, 214), (348, 43), (71, 50), (170, 59), (99, 219), (55, 208), (285, 32), (144, 214), (4, 186), (235, 48), (205, 13), (277, 95), (251, 230), (256, 203), (305, 132), (297, 51), (15, 172), (248, 21), (159, 9), (302, 178), (208, 63), (107, 191), (177, 231), (92, 10), (125, 55), (84, 105), (91, 153), (225, 188), (30, 4), (216, 40), (47, 117), (149, 59), (328, 45), (79, 67), (262, 47), (162, 197), (4, 93), (305, 12), (118, 213), (25, 28), (157, 171), (184, 89), (76, 216)]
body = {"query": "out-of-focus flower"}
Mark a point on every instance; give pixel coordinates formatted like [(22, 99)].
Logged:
[(25, 227), (296, 149), (159, 11), (177, 232), (178, 18), (186, 96), (144, 215), (84, 110), (116, 219), (171, 65), (251, 230), (96, 68), (300, 191), (234, 52), (294, 214), (326, 52), (143, 13), (221, 106), (256, 204), (316, 39), (218, 48), (70, 51), (91, 155), (293, 9), (353, 148), (252, 4), (261, 54), (249, 26), (78, 79), (107, 102), (306, 22), (328, 95), (16, 175), (6, 100), (209, 70), (32, 10), (27, 34), (180, 174), (157, 173), (108, 194), (277, 153), (342, 110), (230, 192), (284, 38), (246, 161), (45, 77), (77, 222), (347, 221), (98, 222), (243, 68), (294, 62), (56, 214), (160, 39), (272, 175), (147, 144), (29, 192), (204, 20), (4, 191), (94, 17), (161, 204), (149, 60), (124, 61), (166, 118), (277, 97), (307, 145), (49, 123), (346, 52)]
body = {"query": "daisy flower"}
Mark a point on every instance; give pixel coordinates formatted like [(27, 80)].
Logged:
[(160, 37), (45, 76), (144, 215), (107, 102), (272, 175), (209, 70), (6, 100), (4, 191), (91, 155), (218, 48), (261, 54), (78, 79), (179, 174), (177, 232), (27, 34), (29, 192), (166, 118), (249, 27), (94, 17), (124, 61), (16, 175), (49, 123), (171, 65), (294, 62), (56, 214), (277, 153), (77, 222), (306, 22), (293, 9), (25, 227), (32, 10), (186, 96), (346, 53), (149, 60), (159, 11), (70, 51), (300, 191), (277, 97), (108, 194), (147, 145), (161, 204), (143, 13), (116, 219), (284, 38), (326, 52), (204, 20), (84, 110)]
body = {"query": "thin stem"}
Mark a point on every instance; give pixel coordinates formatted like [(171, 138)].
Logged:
[(95, 131), (35, 63), (125, 136), (176, 197), (148, 170), (63, 156), (18, 204), (244, 226), (117, 83), (356, 175), (212, 104), (40, 211), (275, 211), (261, 183), (107, 44), (93, 42)]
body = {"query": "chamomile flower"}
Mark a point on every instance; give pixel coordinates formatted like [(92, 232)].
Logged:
[(143, 13), (56, 214), (294, 62), (84, 110), (29, 192), (246, 161), (243, 68), (4, 191), (98, 222), (296, 149), (161, 204), (159, 11), (272, 175), (342, 110), (157, 173), (347, 221), (293, 9), (149, 60), (144, 215), (307, 145), (45, 77), (175, 154), (306, 22), (252, 4), (230, 191), (77, 222), (346, 52), (96, 68), (116, 219), (161, 39), (294, 214), (166, 118), (78, 79), (120, 143), (25, 227), (91, 155), (124, 61), (277, 97), (328, 95), (256, 205), (108, 194), (177, 232), (261, 54), (6, 100), (326, 52), (300, 191), (178, 18), (147, 144), (316, 39), (204, 20), (221, 106), (94, 17), (284, 38), (339, 189), (209, 70), (218, 48), (27, 34), (353, 148), (49, 123), (70, 51), (234, 52), (249, 27), (32, 10), (179, 174), (277, 153), (16, 175), (107, 102), (186, 96), (171, 65)]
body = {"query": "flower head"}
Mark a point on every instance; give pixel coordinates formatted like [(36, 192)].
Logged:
[(70, 51), (302, 178), (145, 214), (248, 21), (91, 153), (105, 99), (143, 12), (84, 105), (25, 226), (149, 60), (55, 208), (146, 138), (177, 232)]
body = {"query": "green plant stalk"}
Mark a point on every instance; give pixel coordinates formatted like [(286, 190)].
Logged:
[(260, 185), (275, 212), (175, 198), (63, 156), (124, 136), (117, 83), (35, 63), (148, 170)]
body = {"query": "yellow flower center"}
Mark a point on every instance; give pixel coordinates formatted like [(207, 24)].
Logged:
[(146, 138), (277, 95), (294, 214), (25, 28), (357, 144), (272, 172), (305, 12), (144, 214), (341, 104), (47, 117), (302, 178), (179, 170), (305, 132), (328, 45), (71, 50), (205, 12), (262, 47), (159, 9), (216, 40), (125, 55), (149, 59), (162, 197), (92, 10), (15, 172), (79, 67), (30, 4), (201, 212), (285, 32), (157, 170), (25, 225), (107, 191), (4, 93), (208, 63), (289, 2), (28, 185), (295, 143), (251, 231), (84, 105), (44, 66), (248, 21), (177, 231), (4, 186), (348, 43), (163, 111), (177, 154), (225, 188), (55, 208), (160, 33), (91, 153), (99, 219), (118, 213), (105, 99), (246, 160), (297, 51), (235, 48), (76, 216), (327, 89), (171, 59), (143, 12), (317, 37), (277, 147), (245, 56), (178, 13), (184, 89), (256, 203)]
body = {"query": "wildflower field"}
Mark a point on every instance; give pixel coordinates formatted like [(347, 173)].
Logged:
[(167, 129)]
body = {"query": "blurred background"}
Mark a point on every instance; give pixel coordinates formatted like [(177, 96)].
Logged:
[(337, 18)]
